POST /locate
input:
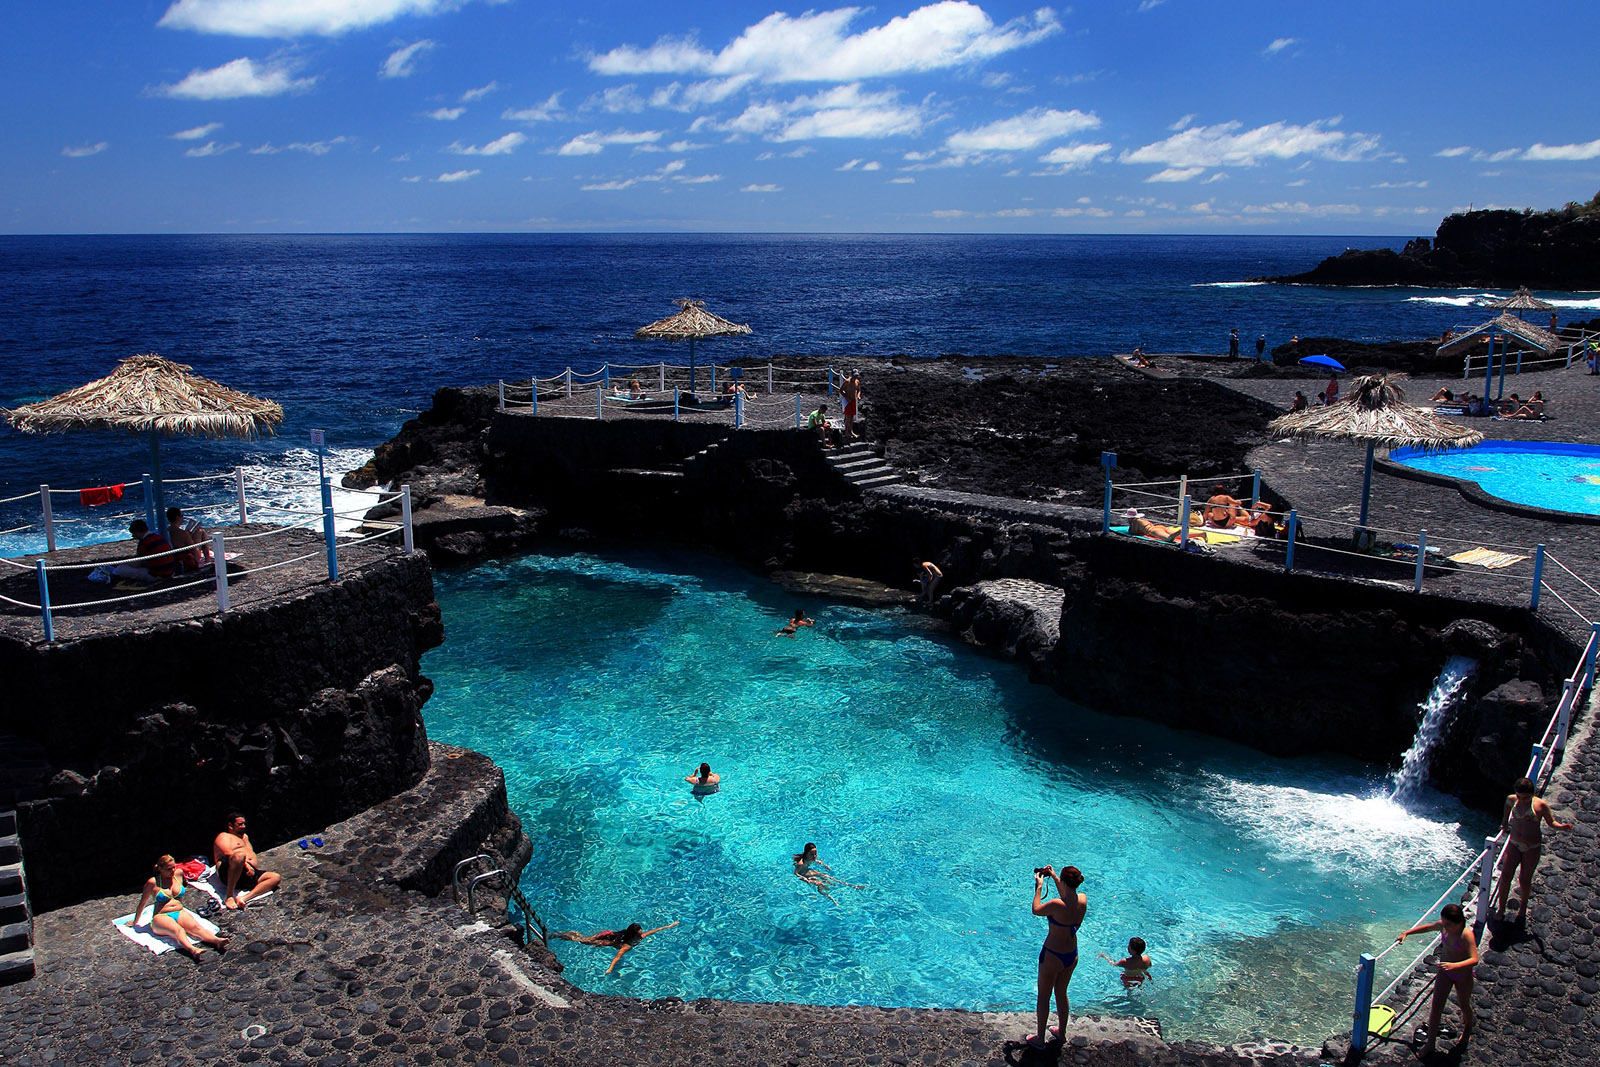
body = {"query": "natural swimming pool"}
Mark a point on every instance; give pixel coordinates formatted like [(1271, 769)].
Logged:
[(1541, 474), (936, 776)]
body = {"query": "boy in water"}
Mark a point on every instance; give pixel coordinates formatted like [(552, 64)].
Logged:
[(1135, 965), (794, 624)]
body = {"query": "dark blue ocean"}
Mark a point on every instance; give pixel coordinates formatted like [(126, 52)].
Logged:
[(353, 333)]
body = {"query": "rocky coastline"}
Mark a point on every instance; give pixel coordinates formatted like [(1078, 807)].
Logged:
[(1495, 249)]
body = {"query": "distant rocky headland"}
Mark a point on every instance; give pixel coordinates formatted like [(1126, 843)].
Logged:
[(1556, 249)]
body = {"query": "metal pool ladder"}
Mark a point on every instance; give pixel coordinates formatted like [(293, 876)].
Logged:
[(500, 878)]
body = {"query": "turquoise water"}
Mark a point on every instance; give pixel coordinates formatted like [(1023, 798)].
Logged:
[(935, 776), (1542, 474)]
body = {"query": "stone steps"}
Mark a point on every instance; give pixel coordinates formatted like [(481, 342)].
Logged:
[(16, 924), (861, 466)]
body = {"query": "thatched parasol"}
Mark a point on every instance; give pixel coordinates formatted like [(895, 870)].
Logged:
[(1522, 300), (689, 324), (150, 394), (1374, 412)]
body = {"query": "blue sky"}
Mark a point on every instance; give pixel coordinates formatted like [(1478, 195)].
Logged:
[(1122, 116)]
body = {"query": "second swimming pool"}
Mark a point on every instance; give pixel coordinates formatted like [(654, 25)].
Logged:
[(1541, 474)]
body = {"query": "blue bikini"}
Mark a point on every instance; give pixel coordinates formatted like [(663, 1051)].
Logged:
[(1068, 959)]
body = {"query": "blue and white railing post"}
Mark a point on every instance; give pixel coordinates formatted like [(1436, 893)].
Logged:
[(769, 377), (328, 529), (1358, 1029), (44, 601), (1255, 487), (569, 383), (1183, 531), (219, 560), (605, 372), (501, 383), (408, 537), (661, 376), (1422, 558), (797, 411), (674, 403), (533, 394), (830, 381), (738, 411), (1538, 576), (1108, 460), (713, 379), (149, 503), (600, 404), (1293, 531), (49, 516), (1480, 914), (1569, 697), (1536, 763), (1593, 653), (238, 488)]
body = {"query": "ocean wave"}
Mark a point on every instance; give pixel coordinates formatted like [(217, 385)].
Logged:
[(1227, 285), (1473, 300)]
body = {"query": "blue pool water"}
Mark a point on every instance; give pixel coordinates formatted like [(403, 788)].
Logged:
[(1542, 474), (935, 776)]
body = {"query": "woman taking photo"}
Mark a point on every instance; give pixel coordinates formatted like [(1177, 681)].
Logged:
[(1058, 957)]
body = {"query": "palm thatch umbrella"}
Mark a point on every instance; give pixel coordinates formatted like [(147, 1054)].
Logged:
[(1522, 300), (1374, 412), (692, 321), (152, 395)]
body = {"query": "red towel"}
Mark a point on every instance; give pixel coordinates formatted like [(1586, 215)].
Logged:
[(91, 498), (193, 869)]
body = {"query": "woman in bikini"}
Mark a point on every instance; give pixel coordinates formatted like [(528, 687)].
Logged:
[(170, 918), (1458, 955), (816, 874), (1059, 954), (1521, 818), (621, 940)]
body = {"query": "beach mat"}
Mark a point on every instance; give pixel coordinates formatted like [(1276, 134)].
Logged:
[(145, 936), (1486, 557)]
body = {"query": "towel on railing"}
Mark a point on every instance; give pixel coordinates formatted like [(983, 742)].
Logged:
[(106, 494)]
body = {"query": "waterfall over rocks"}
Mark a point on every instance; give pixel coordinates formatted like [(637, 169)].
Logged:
[(1436, 711)]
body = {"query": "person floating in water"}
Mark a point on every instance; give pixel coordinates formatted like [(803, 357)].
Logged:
[(1135, 965), (621, 940), (792, 627), (705, 781), (816, 874)]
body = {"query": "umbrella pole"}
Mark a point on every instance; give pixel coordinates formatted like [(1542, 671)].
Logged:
[(1488, 372), (160, 518), (691, 365), (1366, 488)]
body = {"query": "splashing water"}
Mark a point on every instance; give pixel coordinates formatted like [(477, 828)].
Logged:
[(1413, 773)]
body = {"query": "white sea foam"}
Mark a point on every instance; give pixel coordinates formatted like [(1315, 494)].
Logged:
[(1587, 303), (1336, 831), (1227, 285), (1470, 300)]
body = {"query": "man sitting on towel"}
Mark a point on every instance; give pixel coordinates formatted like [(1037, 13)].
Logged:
[(150, 544), (238, 866)]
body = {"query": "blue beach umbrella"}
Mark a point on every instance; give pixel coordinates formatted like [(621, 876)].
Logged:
[(1323, 361)]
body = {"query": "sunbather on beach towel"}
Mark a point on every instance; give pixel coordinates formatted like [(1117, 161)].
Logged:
[(1139, 526), (238, 866), (150, 544), (164, 890)]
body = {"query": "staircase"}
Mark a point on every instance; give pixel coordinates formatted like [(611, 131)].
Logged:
[(16, 924), (860, 465)]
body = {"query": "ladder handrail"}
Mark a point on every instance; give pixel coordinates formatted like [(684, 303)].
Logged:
[(455, 875)]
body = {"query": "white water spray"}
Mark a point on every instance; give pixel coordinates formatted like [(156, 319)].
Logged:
[(1413, 773)]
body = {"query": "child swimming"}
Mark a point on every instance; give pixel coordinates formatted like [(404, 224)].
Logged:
[(1135, 966)]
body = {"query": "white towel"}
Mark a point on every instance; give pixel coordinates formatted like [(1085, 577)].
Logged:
[(213, 884), (144, 934)]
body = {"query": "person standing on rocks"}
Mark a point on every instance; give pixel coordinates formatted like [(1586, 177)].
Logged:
[(239, 865), (1458, 955), (1261, 347), (1233, 344), (928, 577), (850, 391), (1058, 957), (1521, 818)]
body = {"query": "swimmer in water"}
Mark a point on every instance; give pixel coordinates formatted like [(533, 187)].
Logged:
[(621, 940), (792, 627), (705, 781), (816, 874), (1135, 965)]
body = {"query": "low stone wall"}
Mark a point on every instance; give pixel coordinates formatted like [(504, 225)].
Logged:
[(296, 710)]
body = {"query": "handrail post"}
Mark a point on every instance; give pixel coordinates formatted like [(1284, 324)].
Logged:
[(1288, 552), (219, 561), (1536, 764), (502, 384), (1422, 558), (1358, 1029), (661, 369), (1183, 533), (1108, 460), (797, 411), (405, 519), (1480, 916), (600, 403), (49, 516), (44, 602), (149, 503), (1183, 488), (533, 393), (830, 379), (738, 411), (569, 383), (1569, 697), (328, 530), (1538, 575), (238, 486), (605, 371), (1255, 487), (769, 377), (1593, 652), (713, 377)]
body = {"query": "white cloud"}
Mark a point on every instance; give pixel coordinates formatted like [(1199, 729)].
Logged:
[(548, 111), (1146, 5), (447, 114), (697, 179), (210, 148), (762, 189), (500, 146), (1184, 123), (1176, 174), (293, 18), (412, 179), (1451, 153), (1300, 207), (1279, 45), (620, 99), (84, 151), (1228, 144), (1588, 150), (1019, 133), (903, 180), (594, 142), (842, 111), (457, 175), (1073, 156), (237, 79), (310, 148), (402, 62), (862, 164), (815, 46), (194, 133), (479, 93), (1414, 184), (1498, 157)]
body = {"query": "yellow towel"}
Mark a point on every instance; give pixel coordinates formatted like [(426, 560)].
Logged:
[(1488, 558)]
